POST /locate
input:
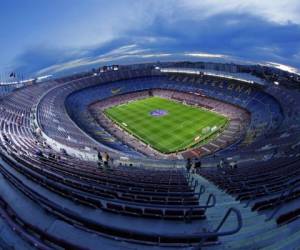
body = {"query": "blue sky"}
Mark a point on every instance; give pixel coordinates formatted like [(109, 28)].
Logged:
[(54, 36)]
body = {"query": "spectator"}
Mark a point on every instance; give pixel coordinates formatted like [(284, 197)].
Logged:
[(105, 159), (188, 164), (99, 156), (39, 154), (222, 163), (198, 165)]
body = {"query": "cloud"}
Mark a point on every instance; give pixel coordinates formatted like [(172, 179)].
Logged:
[(120, 53), (91, 33), (277, 11), (283, 67), (205, 55)]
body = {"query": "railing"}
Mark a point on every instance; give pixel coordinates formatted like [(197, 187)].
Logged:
[(201, 190), (256, 194), (239, 222), (280, 201), (208, 205), (216, 232)]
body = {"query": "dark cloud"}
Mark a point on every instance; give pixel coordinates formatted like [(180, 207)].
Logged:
[(241, 36)]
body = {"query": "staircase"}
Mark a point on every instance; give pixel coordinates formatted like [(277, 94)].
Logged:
[(256, 233)]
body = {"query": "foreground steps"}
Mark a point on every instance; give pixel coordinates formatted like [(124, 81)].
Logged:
[(255, 233), (290, 241), (9, 240)]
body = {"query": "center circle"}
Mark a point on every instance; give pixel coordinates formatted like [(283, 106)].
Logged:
[(159, 112)]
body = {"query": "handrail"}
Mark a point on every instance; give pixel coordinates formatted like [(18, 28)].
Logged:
[(216, 233), (191, 181), (196, 184), (208, 205), (239, 221), (282, 199), (282, 192), (188, 175), (255, 195), (201, 190)]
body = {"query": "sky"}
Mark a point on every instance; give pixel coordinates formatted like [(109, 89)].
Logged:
[(39, 37)]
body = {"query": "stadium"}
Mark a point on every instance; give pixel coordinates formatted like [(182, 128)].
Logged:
[(240, 137), (150, 125)]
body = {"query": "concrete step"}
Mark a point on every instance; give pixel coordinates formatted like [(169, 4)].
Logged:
[(255, 233), (292, 242), (258, 240)]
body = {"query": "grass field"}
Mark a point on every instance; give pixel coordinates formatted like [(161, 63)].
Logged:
[(180, 128)]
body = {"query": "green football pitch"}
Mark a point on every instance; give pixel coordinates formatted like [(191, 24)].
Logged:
[(166, 125)]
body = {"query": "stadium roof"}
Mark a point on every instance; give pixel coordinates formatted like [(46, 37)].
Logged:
[(244, 77)]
